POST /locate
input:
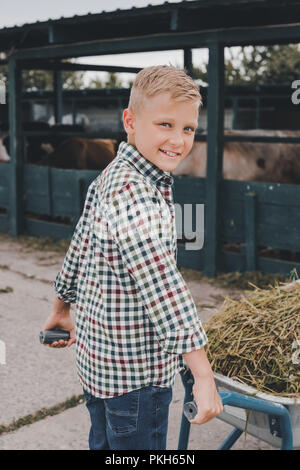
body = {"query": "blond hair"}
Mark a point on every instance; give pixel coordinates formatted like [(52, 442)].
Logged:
[(162, 79)]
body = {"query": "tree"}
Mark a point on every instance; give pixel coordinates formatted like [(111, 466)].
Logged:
[(201, 72), (95, 83), (258, 64), (73, 80), (112, 81), (43, 79), (281, 64)]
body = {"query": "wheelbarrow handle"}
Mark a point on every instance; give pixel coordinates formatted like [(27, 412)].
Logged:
[(239, 400)]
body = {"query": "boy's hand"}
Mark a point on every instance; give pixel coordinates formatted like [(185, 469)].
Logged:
[(60, 319), (205, 392), (207, 399), (59, 322)]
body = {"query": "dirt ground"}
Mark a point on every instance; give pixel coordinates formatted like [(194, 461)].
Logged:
[(37, 383)]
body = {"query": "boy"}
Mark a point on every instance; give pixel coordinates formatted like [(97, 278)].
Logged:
[(135, 318)]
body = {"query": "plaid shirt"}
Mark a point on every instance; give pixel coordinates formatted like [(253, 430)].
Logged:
[(135, 315)]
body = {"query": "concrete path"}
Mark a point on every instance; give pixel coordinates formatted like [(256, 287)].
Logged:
[(34, 377)]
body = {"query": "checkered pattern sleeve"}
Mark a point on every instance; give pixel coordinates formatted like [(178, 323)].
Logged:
[(65, 283), (136, 224), (66, 280)]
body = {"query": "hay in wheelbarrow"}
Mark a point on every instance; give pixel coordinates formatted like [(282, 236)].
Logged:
[(256, 340)]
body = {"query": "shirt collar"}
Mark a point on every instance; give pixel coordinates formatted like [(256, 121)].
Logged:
[(144, 166)]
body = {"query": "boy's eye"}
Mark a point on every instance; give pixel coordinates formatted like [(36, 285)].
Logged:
[(187, 128)]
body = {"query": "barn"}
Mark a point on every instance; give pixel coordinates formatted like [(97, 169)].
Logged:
[(250, 215)]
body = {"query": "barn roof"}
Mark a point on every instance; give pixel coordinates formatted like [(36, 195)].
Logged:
[(167, 18)]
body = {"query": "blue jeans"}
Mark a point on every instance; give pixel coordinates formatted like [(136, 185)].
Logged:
[(133, 421)]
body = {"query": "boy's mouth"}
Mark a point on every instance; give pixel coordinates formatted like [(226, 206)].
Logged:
[(169, 154)]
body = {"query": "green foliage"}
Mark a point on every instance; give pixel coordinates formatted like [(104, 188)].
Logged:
[(43, 79), (244, 65), (37, 80), (96, 83), (201, 72), (282, 64), (73, 80), (259, 64), (112, 81)]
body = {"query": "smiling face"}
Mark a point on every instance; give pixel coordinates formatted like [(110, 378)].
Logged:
[(163, 130)]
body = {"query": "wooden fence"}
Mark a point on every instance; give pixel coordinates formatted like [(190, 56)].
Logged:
[(253, 215)]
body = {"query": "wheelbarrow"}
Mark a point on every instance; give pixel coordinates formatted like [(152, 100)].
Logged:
[(273, 419)]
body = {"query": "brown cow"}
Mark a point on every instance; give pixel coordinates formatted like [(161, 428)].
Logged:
[(81, 154), (249, 161)]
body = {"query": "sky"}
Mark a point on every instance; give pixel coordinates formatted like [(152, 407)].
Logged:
[(18, 12)]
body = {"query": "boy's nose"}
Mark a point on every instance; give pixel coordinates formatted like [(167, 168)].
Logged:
[(176, 139)]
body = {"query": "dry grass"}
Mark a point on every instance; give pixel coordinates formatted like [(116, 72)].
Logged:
[(235, 280), (254, 340)]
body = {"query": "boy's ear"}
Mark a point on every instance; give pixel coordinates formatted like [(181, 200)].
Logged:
[(129, 121)]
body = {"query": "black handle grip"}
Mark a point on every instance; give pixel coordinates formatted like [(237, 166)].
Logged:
[(49, 336)]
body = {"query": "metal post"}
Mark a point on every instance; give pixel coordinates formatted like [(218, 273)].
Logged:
[(188, 61), (185, 427), (48, 109), (58, 98), (235, 110), (215, 132), (257, 112), (250, 231), (184, 433), (74, 111), (16, 205)]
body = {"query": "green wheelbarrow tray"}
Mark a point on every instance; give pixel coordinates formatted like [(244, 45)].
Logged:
[(273, 419)]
